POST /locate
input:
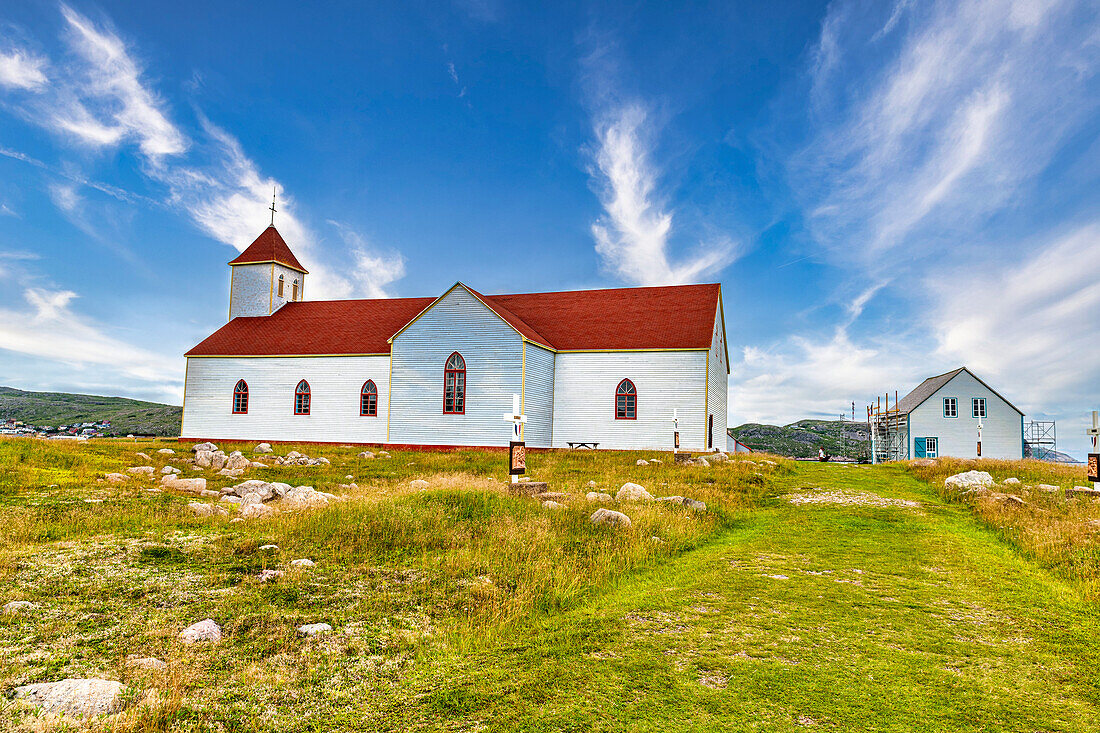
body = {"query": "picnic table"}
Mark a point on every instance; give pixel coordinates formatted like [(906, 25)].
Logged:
[(574, 444)]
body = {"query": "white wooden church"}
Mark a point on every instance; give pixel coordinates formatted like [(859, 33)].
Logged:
[(610, 367)]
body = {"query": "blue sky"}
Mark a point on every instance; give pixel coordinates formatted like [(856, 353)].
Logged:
[(884, 190)]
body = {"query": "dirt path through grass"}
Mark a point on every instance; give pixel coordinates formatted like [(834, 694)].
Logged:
[(830, 615)]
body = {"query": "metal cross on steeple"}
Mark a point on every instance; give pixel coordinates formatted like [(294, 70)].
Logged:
[(273, 209)]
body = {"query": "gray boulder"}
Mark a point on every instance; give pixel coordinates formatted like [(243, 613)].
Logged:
[(609, 517), (313, 629), (255, 511), (366, 454), (263, 448), (302, 562), (205, 630), (633, 492), (166, 452), (597, 496), (1012, 482), (641, 462), (210, 447), (81, 698), (969, 481)]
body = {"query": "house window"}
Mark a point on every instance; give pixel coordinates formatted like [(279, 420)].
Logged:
[(626, 401), (301, 398), (368, 400), (454, 385), (281, 286), (240, 398), (294, 290), (931, 447), (950, 407), (978, 406)]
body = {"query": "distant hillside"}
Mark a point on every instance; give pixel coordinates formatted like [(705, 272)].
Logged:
[(803, 438), (59, 408)]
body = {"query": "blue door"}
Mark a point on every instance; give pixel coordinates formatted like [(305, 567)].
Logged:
[(920, 448)]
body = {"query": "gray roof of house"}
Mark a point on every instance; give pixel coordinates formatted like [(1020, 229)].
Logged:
[(930, 386)]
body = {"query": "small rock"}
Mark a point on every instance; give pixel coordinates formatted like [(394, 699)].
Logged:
[(1012, 481), (263, 448), (143, 456), (253, 511), (595, 496), (269, 548), (684, 501), (82, 698), (116, 478), (658, 461), (418, 483), (719, 457), (205, 630), (267, 576), (166, 452), (195, 485), (1048, 488), (778, 577), (349, 477), (169, 469), (323, 461), (17, 606), (552, 505), (146, 663), (366, 454), (641, 462), (208, 447), (633, 492), (313, 629), (700, 461), (591, 484), (609, 517), (141, 470), (302, 563)]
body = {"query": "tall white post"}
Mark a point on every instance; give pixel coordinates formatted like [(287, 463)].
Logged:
[(517, 419)]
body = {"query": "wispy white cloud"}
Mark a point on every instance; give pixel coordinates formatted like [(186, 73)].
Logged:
[(21, 69), (48, 326), (632, 237), (372, 271)]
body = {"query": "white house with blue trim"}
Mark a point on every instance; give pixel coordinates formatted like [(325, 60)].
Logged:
[(944, 413), (607, 367)]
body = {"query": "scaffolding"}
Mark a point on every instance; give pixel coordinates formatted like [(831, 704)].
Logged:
[(1041, 440), (889, 429)]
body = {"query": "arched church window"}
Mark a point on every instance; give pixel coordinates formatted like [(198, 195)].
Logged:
[(368, 399), (240, 398), (294, 290), (454, 385), (301, 398), (626, 401), (280, 286)]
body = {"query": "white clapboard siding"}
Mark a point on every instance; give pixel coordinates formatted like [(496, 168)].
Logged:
[(718, 383), (493, 352), (254, 289), (584, 398), (335, 383), (1002, 428), (538, 396)]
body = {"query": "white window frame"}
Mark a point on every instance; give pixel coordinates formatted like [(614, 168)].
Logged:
[(975, 403), (954, 406), (932, 447)]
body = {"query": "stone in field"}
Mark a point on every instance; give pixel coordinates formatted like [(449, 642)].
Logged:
[(633, 492), (203, 447), (969, 481), (194, 485), (596, 496), (263, 448), (141, 470), (146, 663), (166, 452), (302, 562), (269, 548), (685, 501), (267, 576), (18, 606), (207, 510), (143, 456), (81, 698), (237, 462), (1048, 488), (169, 469), (116, 478), (1012, 482), (548, 504), (313, 629), (591, 484), (641, 462), (366, 454), (700, 461), (719, 457), (205, 630), (418, 483), (253, 511), (609, 517)]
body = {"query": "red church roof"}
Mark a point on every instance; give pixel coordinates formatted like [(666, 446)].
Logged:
[(673, 317), (269, 247)]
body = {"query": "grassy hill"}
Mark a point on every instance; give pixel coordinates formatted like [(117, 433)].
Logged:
[(60, 408), (802, 439)]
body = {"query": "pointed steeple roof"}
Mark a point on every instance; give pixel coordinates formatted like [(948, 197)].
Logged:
[(269, 247)]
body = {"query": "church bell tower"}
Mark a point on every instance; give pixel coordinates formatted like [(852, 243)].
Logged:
[(265, 277)]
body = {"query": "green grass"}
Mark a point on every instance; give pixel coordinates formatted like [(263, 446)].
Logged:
[(464, 607)]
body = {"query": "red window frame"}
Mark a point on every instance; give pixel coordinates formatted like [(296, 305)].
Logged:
[(368, 399), (454, 385), (302, 398), (240, 398), (629, 394)]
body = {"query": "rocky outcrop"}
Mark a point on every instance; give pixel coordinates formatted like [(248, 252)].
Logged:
[(263, 448), (969, 481), (313, 629), (82, 698)]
